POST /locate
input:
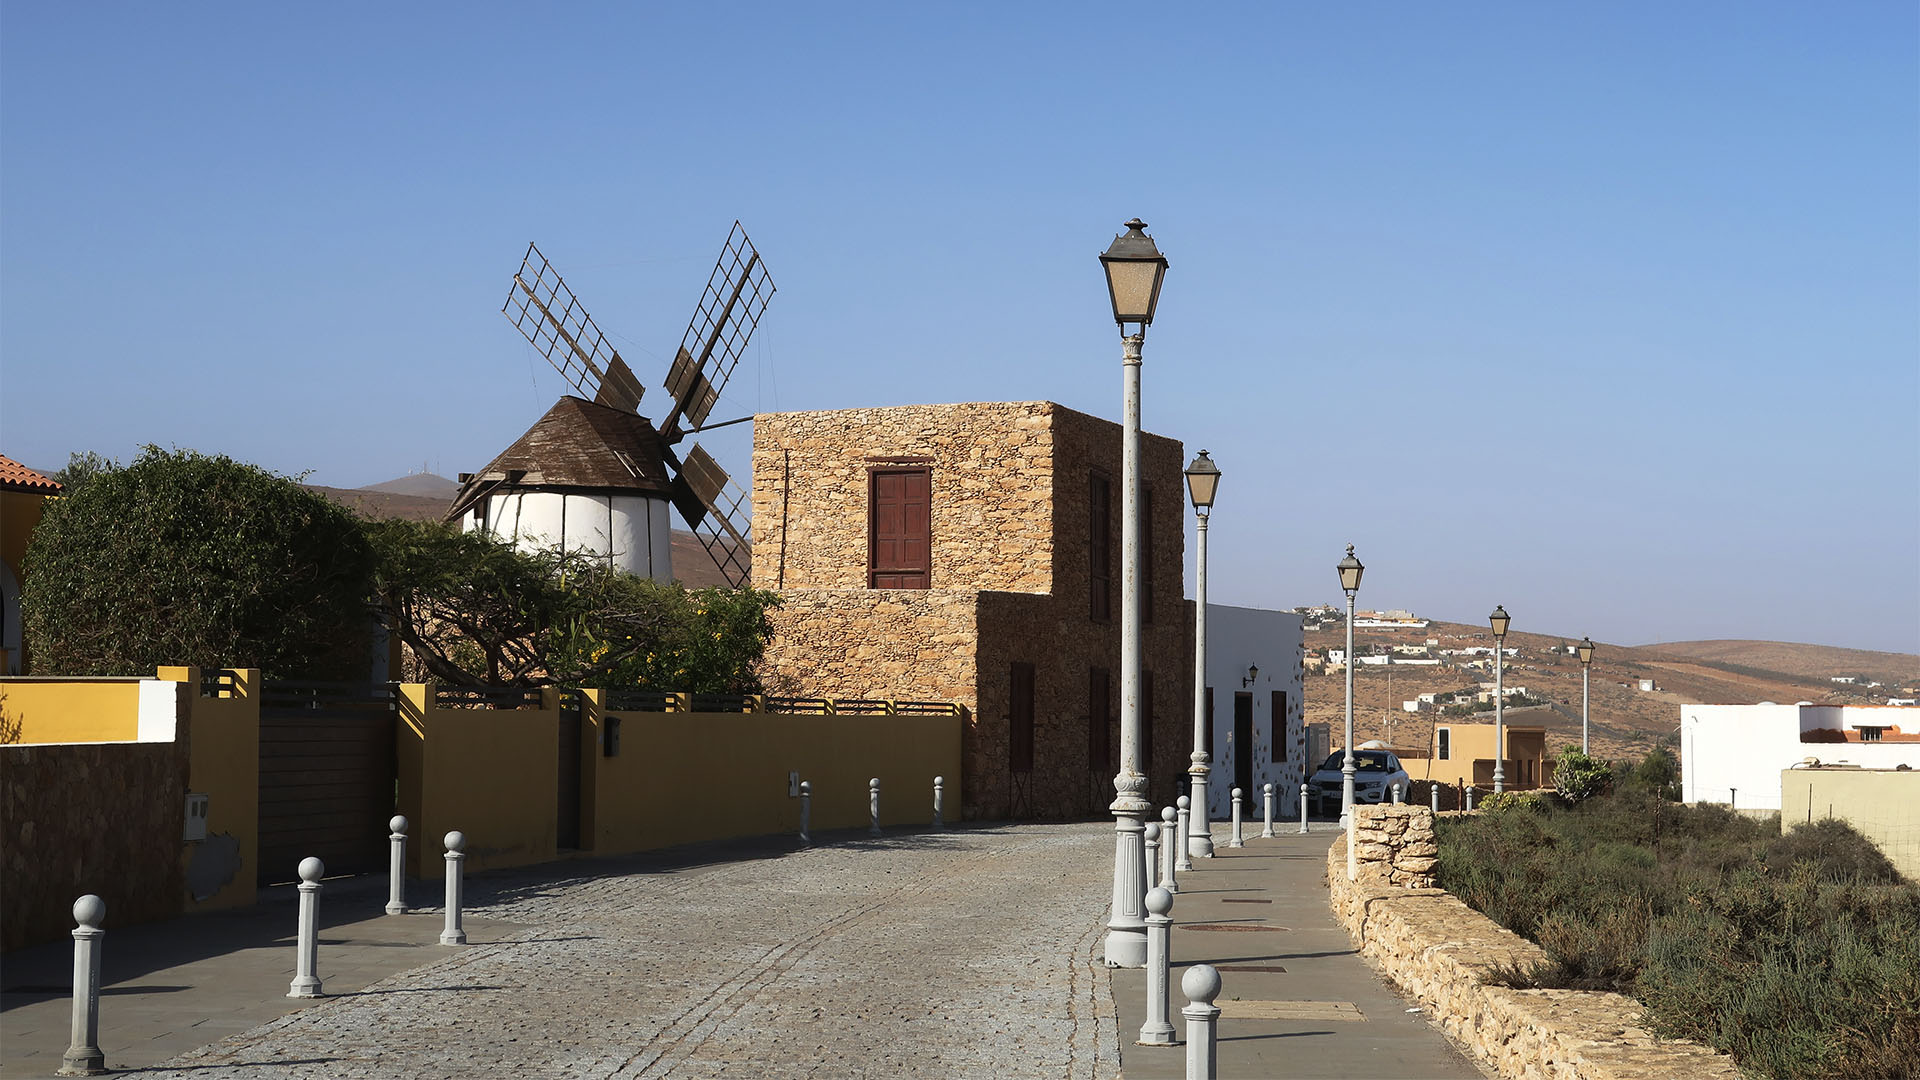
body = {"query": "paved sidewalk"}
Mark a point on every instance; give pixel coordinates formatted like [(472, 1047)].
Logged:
[(1296, 998), (966, 953)]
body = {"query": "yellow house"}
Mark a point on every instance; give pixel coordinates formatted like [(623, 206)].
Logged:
[(22, 492), (1465, 752)]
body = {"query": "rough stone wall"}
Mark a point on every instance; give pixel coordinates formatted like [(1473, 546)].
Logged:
[(102, 818), (906, 644), (1394, 845), (992, 471), (1056, 637), (1010, 575), (1441, 952)]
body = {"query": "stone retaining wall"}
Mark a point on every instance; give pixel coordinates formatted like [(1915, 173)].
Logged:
[(1441, 952)]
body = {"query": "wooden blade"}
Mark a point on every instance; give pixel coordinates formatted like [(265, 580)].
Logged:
[(736, 295), (553, 321)]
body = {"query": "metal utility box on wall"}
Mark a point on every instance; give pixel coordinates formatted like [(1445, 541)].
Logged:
[(196, 825)]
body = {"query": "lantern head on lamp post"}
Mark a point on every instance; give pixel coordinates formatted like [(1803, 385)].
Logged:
[(1350, 571), (1134, 269), (1585, 650), (1499, 620), (1203, 479)]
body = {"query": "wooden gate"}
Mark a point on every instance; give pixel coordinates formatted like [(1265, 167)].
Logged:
[(327, 776), (567, 828)]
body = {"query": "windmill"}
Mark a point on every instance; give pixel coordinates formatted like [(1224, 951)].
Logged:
[(545, 310)]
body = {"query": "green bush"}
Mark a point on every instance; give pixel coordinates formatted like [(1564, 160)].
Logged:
[(1800, 955), (185, 558), (1577, 777)]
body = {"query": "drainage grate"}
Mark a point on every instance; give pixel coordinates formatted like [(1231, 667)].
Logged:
[(1230, 926), (1289, 1010)]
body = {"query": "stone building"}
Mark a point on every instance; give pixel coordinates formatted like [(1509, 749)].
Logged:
[(971, 553)]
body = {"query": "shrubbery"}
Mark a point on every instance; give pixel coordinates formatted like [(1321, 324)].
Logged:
[(184, 558), (1799, 954)]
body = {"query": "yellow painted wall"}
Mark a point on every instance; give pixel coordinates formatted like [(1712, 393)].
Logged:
[(223, 746), (492, 774), (1469, 743), (1883, 804), (685, 777), (102, 710)]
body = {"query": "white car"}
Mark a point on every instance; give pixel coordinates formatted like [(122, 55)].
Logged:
[(1375, 773)]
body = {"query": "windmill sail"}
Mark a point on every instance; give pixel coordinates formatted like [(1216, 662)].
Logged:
[(736, 295), (552, 319)]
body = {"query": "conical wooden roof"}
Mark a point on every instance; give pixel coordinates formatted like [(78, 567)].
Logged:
[(579, 445)]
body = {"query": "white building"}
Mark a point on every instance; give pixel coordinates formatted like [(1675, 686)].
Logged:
[(1257, 737), (1734, 753)]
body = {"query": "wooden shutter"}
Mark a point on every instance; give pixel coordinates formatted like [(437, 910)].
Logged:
[(1099, 548), (1206, 727), (1099, 720), (1243, 742), (1279, 725), (1020, 720), (899, 528)]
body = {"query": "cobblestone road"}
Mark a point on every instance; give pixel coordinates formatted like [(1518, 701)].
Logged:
[(969, 953)]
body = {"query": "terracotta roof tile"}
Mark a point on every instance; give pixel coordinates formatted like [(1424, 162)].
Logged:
[(17, 477)]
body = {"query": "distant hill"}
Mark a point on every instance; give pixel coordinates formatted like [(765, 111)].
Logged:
[(691, 563), (425, 484), (1626, 719), (1813, 661)]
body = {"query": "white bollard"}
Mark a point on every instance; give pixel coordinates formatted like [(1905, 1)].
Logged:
[(873, 806), (1469, 798), (1150, 836), (453, 933), (939, 802), (806, 806), (306, 979), (1158, 1030), (397, 866), (1201, 985), (1303, 809), (1183, 856), (1170, 851), (83, 1056), (1396, 794), (1237, 841), (1434, 791), (1267, 791)]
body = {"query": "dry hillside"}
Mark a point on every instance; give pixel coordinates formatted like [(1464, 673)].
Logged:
[(1626, 720)]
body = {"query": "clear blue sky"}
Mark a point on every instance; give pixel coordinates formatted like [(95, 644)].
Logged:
[(1609, 313)]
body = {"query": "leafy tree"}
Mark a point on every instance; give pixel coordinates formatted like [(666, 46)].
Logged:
[(1657, 774), (477, 610), (81, 468), (186, 558), (1577, 776)]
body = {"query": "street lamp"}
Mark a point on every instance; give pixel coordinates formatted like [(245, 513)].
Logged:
[(1350, 571), (1203, 480), (1135, 269), (1499, 620), (1585, 650)]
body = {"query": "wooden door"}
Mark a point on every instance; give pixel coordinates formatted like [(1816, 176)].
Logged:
[(567, 829), (900, 529), (1243, 743), (1020, 739), (1100, 765)]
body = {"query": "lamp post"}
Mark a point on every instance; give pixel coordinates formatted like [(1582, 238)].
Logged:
[(1203, 480), (1585, 649), (1350, 571), (1135, 268), (1499, 620)]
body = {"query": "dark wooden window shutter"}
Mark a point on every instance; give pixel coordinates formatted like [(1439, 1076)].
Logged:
[(900, 528), (1099, 548)]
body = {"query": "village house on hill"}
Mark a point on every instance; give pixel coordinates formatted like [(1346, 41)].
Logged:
[(971, 553)]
